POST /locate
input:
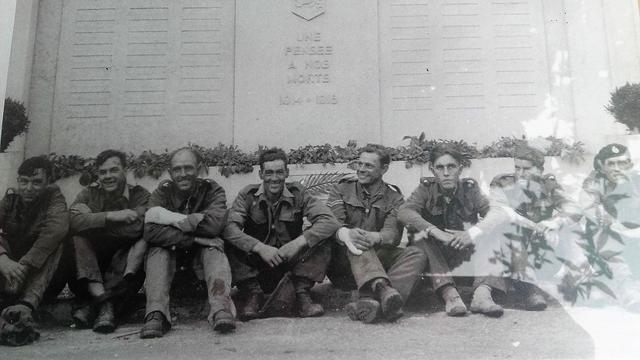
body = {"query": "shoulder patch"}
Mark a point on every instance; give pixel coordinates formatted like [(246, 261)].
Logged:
[(394, 188), (469, 183), (210, 181), (165, 183), (427, 180), (10, 191), (94, 184)]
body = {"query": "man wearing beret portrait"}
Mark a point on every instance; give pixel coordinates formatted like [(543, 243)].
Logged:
[(611, 200)]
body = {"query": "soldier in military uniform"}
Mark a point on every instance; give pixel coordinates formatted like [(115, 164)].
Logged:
[(438, 211), (106, 221), (265, 227), (383, 273), (539, 209), (185, 217), (611, 198), (34, 221)]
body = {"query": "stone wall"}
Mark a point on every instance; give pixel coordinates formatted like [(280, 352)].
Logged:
[(157, 74)]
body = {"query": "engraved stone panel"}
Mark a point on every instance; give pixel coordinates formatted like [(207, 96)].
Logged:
[(309, 79), (471, 69), (150, 74)]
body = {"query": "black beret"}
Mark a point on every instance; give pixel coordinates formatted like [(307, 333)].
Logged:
[(607, 152)]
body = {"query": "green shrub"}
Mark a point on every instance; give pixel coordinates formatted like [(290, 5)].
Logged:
[(14, 122), (625, 106)]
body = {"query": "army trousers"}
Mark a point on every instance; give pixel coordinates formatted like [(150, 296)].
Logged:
[(441, 259), (309, 266), (400, 266), (40, 281), (103, 258), (209, 262)]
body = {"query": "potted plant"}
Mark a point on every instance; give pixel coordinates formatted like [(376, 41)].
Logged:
[(14, 122), (625, 106)]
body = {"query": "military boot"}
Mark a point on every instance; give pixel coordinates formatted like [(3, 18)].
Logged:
[(533, 300), (222, 322), (483, 303), (390, 299), (252, 305), (155, 325), (453, 304), (105, 322), (83, 316), (367, 310), (306, 307)]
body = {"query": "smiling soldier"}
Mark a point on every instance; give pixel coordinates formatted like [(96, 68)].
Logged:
[(106, 222), (383, 273), (265, 228), (34, 221), (182, 225)]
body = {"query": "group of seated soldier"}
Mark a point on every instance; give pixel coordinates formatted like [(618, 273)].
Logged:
[(119, 238)]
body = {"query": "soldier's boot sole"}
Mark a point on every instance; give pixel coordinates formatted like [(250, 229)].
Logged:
[(365, 310), (455, 307), (223, 322), (392, 307)]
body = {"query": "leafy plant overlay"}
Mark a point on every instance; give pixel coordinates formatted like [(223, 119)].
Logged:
[(232, 160), (579, 281), (534, 249), (14, 122), (625, 105)]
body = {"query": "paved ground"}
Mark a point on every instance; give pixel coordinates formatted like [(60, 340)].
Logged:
[(425, 333), (518, 335)]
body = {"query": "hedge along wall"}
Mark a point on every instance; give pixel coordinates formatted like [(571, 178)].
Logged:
[(483, 170)]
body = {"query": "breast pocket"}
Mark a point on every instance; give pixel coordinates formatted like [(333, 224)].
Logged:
[(290, 215), (257, 215)]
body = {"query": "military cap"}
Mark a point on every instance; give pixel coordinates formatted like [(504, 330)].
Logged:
[(607, 152), (534, 155)]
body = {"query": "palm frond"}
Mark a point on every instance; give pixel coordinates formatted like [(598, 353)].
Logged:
[(319, 184)]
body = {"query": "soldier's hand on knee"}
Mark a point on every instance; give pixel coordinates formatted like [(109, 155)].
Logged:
[(372, 238), (460, 240), (12, 270), (269, 254), (289, 250), (443, 236), (127, 216)]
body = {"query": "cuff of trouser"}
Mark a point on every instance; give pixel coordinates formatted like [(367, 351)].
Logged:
[(90, 276), (494, 282), (30, 300)]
